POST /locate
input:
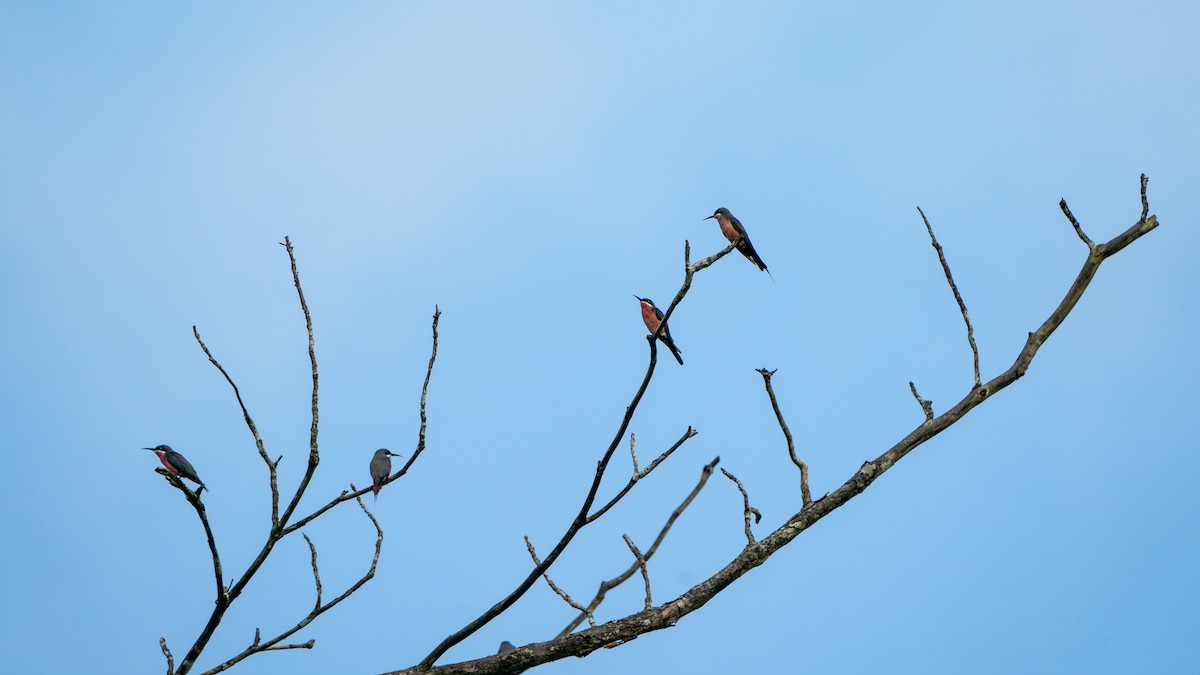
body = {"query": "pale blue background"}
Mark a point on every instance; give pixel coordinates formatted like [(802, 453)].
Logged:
[(528, 167)]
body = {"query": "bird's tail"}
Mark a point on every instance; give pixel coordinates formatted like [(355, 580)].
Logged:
[(674, 351)]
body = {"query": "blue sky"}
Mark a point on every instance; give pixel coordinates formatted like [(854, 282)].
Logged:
[(527, 167)]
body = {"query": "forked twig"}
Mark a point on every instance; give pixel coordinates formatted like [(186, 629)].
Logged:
[(641, 562), (606, 586)]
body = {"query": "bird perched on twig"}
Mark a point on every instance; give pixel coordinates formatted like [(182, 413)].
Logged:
[(381, 466), (176, 464), (652, 316), (732, 228)]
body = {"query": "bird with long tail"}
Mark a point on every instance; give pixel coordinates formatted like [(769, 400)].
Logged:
[(733, 230), (652, 316)]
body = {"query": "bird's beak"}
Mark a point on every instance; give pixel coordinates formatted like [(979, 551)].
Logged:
[(639, 299), (147, 448), (710, 217)]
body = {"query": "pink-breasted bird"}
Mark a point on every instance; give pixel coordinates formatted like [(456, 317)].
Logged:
[(176, 464), (732, 228), (652, 316), (381, 466)]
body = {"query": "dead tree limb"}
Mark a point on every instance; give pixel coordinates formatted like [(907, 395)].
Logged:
[(755, 554)]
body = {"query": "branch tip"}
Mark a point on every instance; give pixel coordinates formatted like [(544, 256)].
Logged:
[(1062, 204), (962, 306), (805, 495), (926, 406)]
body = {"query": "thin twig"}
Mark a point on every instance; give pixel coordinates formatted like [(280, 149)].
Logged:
[(314, 457), (316, 574), (746, 508), (641, 561), (581, 519), (961, 305), (258, 442), (554, 587), (1145, 204), (1062, 204), (633, 452), (642, 474), (606, 586), (805, 495), (346, 496), (927, 406), (162, 643)]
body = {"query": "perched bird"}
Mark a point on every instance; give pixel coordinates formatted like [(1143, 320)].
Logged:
[(732, 228), (176, 464), (381, 466), (653, 316)]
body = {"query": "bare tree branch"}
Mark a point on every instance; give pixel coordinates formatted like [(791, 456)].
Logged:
[(746, 508), (641, 562), (926, 406), (226, 596), (606, 586), (755, 554), (314, 457), (318, 609), (258, 442), (347, 496), (961, 305), (554, 587), (633, 452), (581, 519), (642, 474), (316, 574), (1145, 204), (1062, 204), (805, 495), (162, 643)]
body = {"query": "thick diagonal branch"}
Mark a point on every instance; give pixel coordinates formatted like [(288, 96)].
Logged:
[(670, 613)]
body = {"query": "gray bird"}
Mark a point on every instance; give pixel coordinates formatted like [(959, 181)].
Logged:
[(732, 228), (381, 466)]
